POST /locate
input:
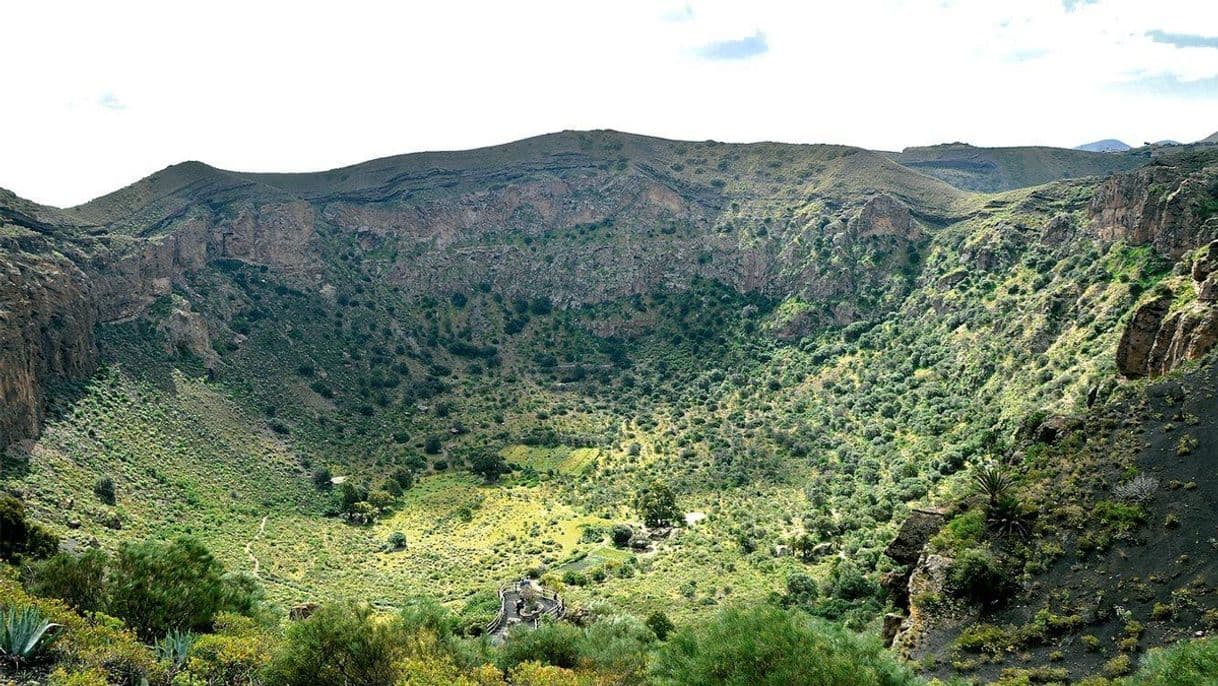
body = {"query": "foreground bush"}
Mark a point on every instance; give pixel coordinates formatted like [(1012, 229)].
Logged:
[(767, 646), (340, 645), (1184, 664)]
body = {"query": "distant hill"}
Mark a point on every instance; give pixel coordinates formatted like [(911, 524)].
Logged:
[(1106, 145), (1212, 138), (992, 170)]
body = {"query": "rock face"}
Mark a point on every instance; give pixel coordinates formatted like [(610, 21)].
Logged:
[(57, 283), (1162, 334), (1166, 207), (46, 329)]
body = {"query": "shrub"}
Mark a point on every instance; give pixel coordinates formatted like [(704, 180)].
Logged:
[(963, 531), (236, 654), (340, 645), (847, 582), (1183, 664), (802, 589), (158, 587), (622, 533), (660, 624), (551, 644), (104, 489), (397, 540), (1121, 517), (322, 478), (78, 580), (767, 646), (976, 575), (20, 537), (1140, 489)]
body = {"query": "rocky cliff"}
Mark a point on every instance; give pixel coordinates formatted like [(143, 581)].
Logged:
[(836, 234), (1177, 323)]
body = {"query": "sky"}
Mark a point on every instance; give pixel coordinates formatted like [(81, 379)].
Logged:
[(95, 95)]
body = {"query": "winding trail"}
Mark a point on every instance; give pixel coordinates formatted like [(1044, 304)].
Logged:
[(249, 547)]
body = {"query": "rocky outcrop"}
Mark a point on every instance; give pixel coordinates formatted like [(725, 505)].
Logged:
[(186, 331), (1164, 206), (907, 550), (1172, 327)]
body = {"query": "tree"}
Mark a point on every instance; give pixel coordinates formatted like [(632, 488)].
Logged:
[(622, 533), (156, 587), (103, 488), (322, 478), (768, 646), (340, 645), (660, 624), (804, 543), (657, 505), (432, 445), (489, 466)]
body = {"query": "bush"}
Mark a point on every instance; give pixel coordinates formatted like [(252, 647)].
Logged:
[(976, 575), (766, 646), (847, 581), (1183, 664), (340, 645), (104, 489), (78, 580), (550, 644), (158, 587), (20, 537), (802, 589), (622, 533), (660, 624)]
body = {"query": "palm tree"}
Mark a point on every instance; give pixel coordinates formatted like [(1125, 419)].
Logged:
[(993, 481)]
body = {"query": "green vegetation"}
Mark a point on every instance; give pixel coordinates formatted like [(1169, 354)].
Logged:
[(736, 442)]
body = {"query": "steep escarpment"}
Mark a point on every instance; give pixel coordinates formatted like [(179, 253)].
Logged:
[(1178, 322), (47, 317), (1169, 205), (62, 279), (575, 218)]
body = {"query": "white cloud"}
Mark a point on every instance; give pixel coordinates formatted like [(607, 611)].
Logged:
[(309, 85)]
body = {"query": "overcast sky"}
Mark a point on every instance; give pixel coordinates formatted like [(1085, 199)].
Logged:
[(95, 95)]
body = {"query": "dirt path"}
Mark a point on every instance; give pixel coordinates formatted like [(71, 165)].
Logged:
[(250, 546)]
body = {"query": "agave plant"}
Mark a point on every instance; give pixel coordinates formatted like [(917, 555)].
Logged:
[(24, 632), (174, 647)]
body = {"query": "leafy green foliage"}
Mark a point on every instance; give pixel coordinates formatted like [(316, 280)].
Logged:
[(765, 646), (657, 504), (20, 537), (78, 580), (340, 645), (160, 587), (1183, 664)]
